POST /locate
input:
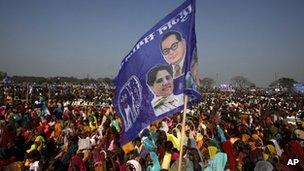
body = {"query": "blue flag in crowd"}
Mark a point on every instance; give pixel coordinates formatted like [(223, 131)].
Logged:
[(159, 70), (7, 79), (299, 88)]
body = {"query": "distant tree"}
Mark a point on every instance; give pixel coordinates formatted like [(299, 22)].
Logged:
[(21, 79), (57, 80), (108, 80), (88, 80), (69, 79), (207, 83), (2, 75), (285, 83), (100, 80), (241, 82)]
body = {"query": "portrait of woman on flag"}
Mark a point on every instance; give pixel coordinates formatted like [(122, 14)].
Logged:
[(160, 82)]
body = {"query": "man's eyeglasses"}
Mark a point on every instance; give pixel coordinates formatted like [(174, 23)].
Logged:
[(173, 47)]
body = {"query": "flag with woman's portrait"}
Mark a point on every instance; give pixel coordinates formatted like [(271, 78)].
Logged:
[(157, 73)]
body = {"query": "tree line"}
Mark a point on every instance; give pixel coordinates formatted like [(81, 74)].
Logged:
[(41, 80), (244, 83), (206, 83)]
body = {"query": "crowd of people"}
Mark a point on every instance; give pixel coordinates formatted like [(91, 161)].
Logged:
[(73, 128)]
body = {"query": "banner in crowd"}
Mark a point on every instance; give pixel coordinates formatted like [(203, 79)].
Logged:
[(299, 88), (226, 88), (7, 79), (159, 70)]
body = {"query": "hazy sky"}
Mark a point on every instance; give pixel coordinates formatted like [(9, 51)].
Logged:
[(252, 38)]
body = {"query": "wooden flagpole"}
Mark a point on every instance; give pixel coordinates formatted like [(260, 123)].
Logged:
[(181, 142), (31, 92), (49, 92), (27, 94)]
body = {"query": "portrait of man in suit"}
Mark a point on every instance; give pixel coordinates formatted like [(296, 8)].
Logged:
[(173, 49)]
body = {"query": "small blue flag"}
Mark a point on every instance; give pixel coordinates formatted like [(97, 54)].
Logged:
[(299, 88), (7, 79), (159, 70)]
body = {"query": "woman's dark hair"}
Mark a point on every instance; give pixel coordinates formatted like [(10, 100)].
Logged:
[(153, 72)]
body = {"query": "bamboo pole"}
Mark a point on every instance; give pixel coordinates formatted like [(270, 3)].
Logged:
[(27, 94), (182, 134)]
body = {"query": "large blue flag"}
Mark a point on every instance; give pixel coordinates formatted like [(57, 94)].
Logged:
[(159, 70)]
